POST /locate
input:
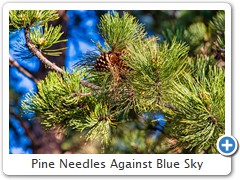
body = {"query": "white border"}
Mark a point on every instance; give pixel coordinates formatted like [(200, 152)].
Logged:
[(19, 164), (118, 6)]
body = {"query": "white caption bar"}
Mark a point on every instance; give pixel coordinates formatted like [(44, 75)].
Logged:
[(121, 164)]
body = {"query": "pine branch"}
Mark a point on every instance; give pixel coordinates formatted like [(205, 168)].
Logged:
[(90, 85), (48, 63), (83, 94), (45, 40), (118, 32), (200, 100), (22, 18), (136, 149), (170, 107), (22, 69), (39, 55)]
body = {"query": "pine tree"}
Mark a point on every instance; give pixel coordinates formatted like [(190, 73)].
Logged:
[(136, 93)]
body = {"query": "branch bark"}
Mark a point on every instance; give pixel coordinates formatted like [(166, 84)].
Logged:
[(31, 46), (22, 69)]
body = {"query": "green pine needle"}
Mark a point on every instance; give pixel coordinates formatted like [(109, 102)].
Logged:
[(59, 100), (195, 34), (48, 38), (218, 27), (153, 70), (118, 32), (159, 77), (199, 118), (29, 18), (218, 23)]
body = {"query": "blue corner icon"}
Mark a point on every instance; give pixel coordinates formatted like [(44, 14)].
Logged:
[(227, 145)]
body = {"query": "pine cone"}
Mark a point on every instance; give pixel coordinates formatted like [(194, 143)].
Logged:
[(110, 59)]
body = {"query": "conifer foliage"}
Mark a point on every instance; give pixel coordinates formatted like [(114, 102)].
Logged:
[(120, 95)]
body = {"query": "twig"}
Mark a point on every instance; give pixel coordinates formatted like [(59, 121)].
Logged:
[(136, 149), (90, 85), (82, 94), (131, 93), (170, 107), (22, 69), (31, 46)]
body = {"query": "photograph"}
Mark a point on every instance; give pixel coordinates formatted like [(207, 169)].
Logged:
[(116, 81)]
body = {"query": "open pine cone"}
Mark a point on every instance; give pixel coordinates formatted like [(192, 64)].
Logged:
[(110, 59)]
